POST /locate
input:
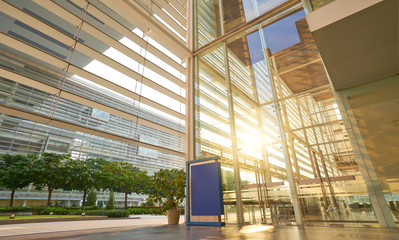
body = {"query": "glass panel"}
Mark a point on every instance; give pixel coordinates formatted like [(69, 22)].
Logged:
[(282, 58), (328, 180), (266, 5), (229, 196), (208, 21), (283, 33), (374, 108), (212, 114), (57, 146), (237, 12), (321, 150), (249, 140)]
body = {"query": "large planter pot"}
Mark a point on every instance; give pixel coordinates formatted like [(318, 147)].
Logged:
[(173, 216)]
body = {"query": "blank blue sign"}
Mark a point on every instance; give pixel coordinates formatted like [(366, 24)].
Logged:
[(206, 189)]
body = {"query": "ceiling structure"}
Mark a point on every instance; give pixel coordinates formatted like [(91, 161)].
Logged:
[(358, 40)]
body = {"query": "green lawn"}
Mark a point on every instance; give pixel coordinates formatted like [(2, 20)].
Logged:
[(39, 216)]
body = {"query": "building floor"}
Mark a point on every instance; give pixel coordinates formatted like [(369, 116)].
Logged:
[(155, 227)]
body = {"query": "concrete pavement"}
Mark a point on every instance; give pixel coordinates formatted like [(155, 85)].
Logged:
[(155, 227), (52, 227)]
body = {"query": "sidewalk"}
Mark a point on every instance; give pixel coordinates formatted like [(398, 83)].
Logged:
[(155, 227), (52, 227)]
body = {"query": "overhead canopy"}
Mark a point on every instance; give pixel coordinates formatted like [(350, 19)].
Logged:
[(358, 40)]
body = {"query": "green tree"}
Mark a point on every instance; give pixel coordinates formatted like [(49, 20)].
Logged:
[(169, 186), (92, 198), (124, 177), (49, 172), (83, 175), (15, 172), (96, 164), (111, 201)]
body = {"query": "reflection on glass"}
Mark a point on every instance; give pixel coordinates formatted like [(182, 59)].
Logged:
[(237, 12), (374, 110), (283, 33), (249, 9), (259, 67), (208, 21), (212, 114), (266, 5), (326, 175)]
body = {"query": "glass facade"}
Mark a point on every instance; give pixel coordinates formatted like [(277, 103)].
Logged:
[(264, 104), (77, 77)]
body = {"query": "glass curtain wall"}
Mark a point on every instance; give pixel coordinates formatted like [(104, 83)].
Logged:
[(376, 123), (93, 79), (265, 106)]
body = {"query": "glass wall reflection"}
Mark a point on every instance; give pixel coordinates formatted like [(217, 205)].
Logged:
[(377, 122), (278, 79)]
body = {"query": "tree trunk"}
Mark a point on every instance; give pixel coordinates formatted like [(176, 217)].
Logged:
[(12, 197), (125, 200), (84, 198), (50, 191)]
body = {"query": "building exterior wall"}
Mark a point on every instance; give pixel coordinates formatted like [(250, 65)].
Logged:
[(78, 74), (157, 83)]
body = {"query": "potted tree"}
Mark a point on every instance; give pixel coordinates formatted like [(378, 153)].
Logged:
[(168, 190)]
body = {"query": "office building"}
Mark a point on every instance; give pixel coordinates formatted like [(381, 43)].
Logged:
[(297, 98)]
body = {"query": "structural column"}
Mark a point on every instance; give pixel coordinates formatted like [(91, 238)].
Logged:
[(236, 163), (190, 73), (290, 177)]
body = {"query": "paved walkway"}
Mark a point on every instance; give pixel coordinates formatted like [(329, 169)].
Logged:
[(51, 227), (155, 227)]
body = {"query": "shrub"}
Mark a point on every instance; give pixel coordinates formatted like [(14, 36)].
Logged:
[(91, 198), (109, 213), (55, 210), (34, 210), (76, 212), (46, 210), (82, 208), (20, 209), (146, 210), (111, 201)]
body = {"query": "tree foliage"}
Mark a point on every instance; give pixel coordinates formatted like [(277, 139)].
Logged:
[(96, 165), (83, 175), (59, 171), (169, 186), (124, 177), (49, 171), (16, 172)]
